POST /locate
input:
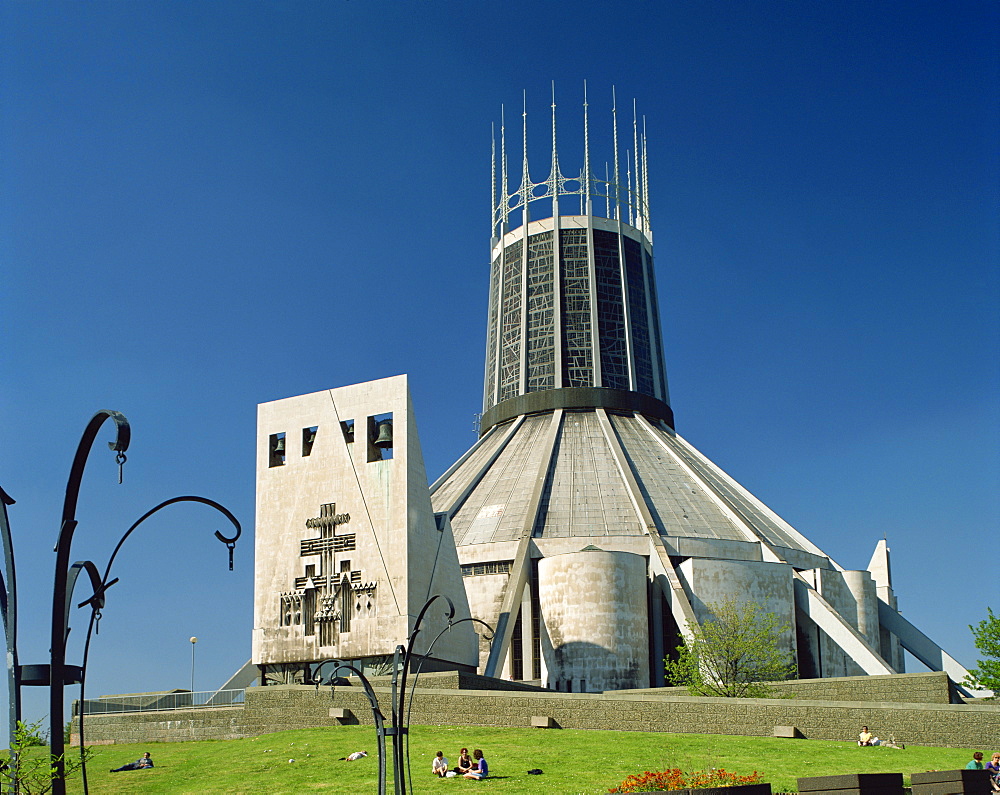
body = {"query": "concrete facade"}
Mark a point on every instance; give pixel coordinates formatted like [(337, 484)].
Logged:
[(347, 547), (769, 585)]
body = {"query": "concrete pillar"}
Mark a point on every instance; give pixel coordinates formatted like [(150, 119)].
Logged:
[(527, 650), (656, 639), (593, 605), (862, 588)]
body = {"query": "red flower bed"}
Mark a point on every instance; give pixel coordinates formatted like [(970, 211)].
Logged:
[(664, 780)]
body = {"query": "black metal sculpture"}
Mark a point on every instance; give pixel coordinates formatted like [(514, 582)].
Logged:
[(399, 728), (380, 730), (57, 674)]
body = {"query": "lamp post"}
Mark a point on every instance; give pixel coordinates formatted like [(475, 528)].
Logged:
[(193, 641), (57, 674)]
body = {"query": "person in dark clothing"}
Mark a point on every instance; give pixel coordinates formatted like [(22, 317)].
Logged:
[(142, 763)]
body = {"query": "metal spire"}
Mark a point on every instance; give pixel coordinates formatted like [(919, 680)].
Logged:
[(585, 181), (607, 191), (634, 197), (554, 174), (628, 187), (614, 117), (504, 189), (624, 187), (525, 178), (645, 185), (493, 177)]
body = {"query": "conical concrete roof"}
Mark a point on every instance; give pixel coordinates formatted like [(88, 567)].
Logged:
[(608, 475)]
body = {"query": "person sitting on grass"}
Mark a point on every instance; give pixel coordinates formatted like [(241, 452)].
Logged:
[(464, 762), (994, 767), (976, 763), (440, 766), (480, 769), (142, 763), (865, 738)]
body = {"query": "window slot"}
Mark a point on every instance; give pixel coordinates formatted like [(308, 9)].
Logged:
[(308, 439), (276, 450)]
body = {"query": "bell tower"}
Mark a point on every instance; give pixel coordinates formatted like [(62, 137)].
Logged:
[(347, 547)]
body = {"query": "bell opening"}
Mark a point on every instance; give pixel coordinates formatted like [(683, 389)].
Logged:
[(380, 437)]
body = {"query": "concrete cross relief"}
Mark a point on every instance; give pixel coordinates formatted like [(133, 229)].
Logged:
[(330, 594)]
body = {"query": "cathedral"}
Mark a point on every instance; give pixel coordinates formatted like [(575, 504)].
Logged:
[(581, 526)]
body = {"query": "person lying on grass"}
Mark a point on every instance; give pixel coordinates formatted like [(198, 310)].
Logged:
[(142, 763)]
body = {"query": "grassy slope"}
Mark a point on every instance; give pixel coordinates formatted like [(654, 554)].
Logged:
[(573, 761)]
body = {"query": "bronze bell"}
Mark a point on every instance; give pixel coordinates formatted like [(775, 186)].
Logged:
[(384, 436), (279, 446)]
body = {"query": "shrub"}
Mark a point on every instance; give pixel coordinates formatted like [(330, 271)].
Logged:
[(674, 779), (734, 653), (29, 771)]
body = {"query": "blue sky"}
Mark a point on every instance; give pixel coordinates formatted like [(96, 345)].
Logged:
[(206, 206)]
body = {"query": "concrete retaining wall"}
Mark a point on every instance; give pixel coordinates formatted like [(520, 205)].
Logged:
[(277, 708), (916, 688)]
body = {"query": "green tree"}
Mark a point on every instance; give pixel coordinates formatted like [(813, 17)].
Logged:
[(986, 674), (733, 654)]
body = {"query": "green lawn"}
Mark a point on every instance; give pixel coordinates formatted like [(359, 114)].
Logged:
[(573, 761)]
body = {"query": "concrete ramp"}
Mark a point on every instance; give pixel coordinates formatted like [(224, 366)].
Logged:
[(924, 649), (245, 677), (847, 637)]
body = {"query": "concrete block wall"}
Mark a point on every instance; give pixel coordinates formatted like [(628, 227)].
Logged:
[(460, 680), (916, 688), (916, 724), (203, 723), (278, 708)]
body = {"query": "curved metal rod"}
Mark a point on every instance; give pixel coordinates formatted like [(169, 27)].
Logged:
[(57, 684), (376, 710), (204, 501), (399, 745), (423, 657), (8, 607), (123, 435), (416, 676), (96, 601), (96, 583), (83, 703), (413, 637)]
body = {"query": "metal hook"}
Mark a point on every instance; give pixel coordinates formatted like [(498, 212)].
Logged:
[(121, 459)]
